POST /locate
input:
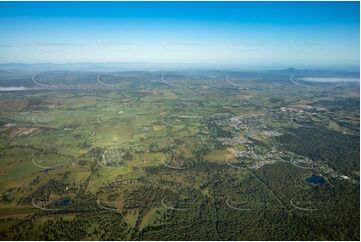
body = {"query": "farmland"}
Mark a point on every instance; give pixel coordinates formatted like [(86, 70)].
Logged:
[(206, 155)]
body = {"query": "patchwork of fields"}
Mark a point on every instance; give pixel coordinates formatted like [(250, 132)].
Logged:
[(211, 155)]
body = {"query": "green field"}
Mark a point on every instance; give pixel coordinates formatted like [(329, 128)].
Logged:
[(202, 160)]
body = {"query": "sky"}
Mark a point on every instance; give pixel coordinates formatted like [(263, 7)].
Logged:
[(286, 33)]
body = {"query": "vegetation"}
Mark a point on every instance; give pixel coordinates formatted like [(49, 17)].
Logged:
[(193, 158)]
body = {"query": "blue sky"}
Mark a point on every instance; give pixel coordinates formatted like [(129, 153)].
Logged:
[(287, 33)]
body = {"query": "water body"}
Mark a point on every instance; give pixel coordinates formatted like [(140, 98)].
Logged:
[(12, 89), (62, 202), (316, 180), (330, 79)]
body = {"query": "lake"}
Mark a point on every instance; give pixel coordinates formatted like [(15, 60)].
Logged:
[(316, 180), (330, 79), (12, 89)]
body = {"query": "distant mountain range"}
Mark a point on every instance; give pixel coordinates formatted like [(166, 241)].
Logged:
[(147, 66)]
